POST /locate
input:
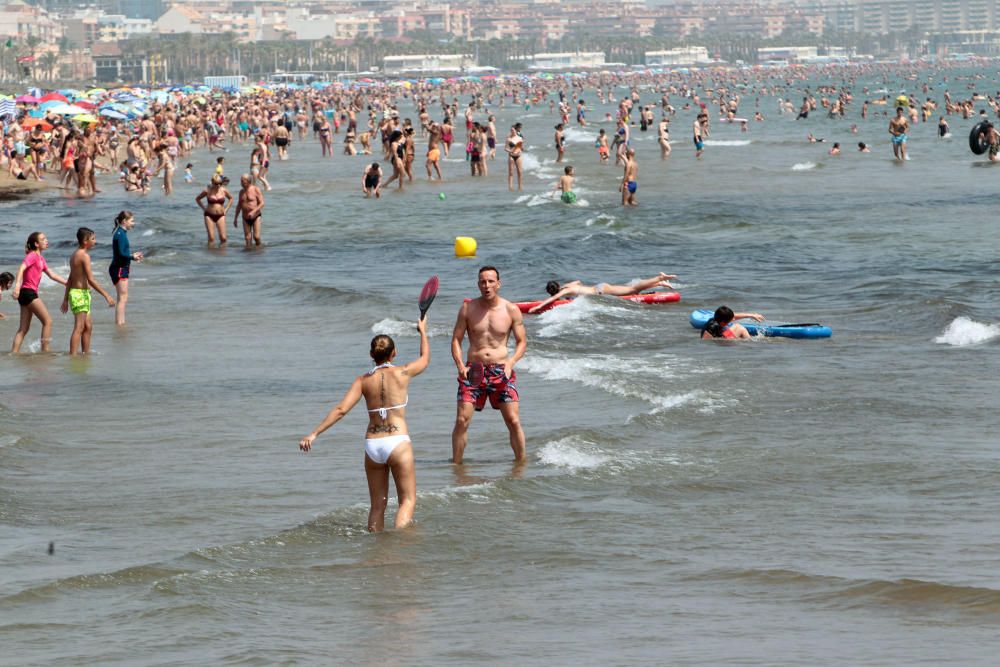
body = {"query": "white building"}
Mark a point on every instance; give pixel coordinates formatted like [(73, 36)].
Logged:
[(427, 64), (19, 20), (339, 26), (688, 55), (179, 19), (789, 53), (116, 27), (561, 61)]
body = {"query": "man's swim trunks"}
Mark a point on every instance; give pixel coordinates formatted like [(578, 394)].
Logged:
[(632, 186), (568, 197), (79, 300), (899, 139), (487, 380)]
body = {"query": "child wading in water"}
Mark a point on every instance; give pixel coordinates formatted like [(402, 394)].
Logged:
[(6, 282), (77, 295), (121, 261), (29, 274), (565, 186)]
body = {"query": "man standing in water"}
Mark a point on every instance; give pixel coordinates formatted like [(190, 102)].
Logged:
[(488, 371), (629, 183), (249, 204), (897, 128)]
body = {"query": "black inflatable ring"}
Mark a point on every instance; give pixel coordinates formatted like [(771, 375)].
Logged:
[(978, 143)]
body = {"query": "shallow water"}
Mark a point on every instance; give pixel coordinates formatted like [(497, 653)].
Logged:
[(821, 502)]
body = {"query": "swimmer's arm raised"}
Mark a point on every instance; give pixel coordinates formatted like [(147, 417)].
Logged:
[(417, 367), (350, 399)]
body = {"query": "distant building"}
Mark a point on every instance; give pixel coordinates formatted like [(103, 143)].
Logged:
[(427, 64), (689, 55), (883, 16), (309, 25), (115, 27), (563, 61), (180, 18), (789, 53), (141, 9), (111, 65), (19, 20)]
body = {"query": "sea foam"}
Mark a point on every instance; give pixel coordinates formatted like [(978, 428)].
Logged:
[(963, 331)]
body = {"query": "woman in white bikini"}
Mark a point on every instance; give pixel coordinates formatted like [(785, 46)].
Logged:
[(387, 443)]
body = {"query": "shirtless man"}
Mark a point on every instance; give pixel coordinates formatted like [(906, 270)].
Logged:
[(489, 369), (249, 204), (897, 128), (663, 130), (576, 288), (629, 183)]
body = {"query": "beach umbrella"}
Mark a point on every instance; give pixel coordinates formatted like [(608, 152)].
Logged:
[(85, 118), (26, 99), (96, 91), (85, 105), (45, 106), (113, 114), (30, 123), (53, 97), (66, 110)]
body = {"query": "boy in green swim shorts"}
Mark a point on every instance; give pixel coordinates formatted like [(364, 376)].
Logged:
[(565, 186), (77, 297)]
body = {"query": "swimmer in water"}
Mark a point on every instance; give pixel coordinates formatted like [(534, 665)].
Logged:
[(387, 444), (723, 324), (576, 288), (371, 181), (863, 147), (565, 186)]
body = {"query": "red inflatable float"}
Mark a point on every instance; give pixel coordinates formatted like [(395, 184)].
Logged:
[(649, 297)]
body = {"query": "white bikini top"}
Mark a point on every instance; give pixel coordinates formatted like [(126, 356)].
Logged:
[(384, 412)]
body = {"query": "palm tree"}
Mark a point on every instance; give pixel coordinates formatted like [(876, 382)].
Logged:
[(49, 62)]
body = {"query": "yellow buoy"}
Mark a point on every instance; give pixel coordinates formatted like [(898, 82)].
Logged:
[(465, 246)]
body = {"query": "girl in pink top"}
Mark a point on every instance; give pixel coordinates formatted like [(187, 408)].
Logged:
[(29, 274)]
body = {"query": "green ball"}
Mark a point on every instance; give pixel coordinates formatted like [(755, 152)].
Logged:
[(441, 196)]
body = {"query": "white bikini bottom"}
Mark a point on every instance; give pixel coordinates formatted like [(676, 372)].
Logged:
[(379, 449)]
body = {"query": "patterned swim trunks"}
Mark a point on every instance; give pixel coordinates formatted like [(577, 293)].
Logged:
[(487, 380), (79, 300)]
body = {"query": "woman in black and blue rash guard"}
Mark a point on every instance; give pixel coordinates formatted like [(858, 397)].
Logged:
[(121, 261)]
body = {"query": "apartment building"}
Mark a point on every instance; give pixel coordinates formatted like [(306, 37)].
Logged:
[(883, 16)]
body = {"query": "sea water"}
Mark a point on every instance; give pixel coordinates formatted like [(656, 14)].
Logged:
[(820, 502)]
